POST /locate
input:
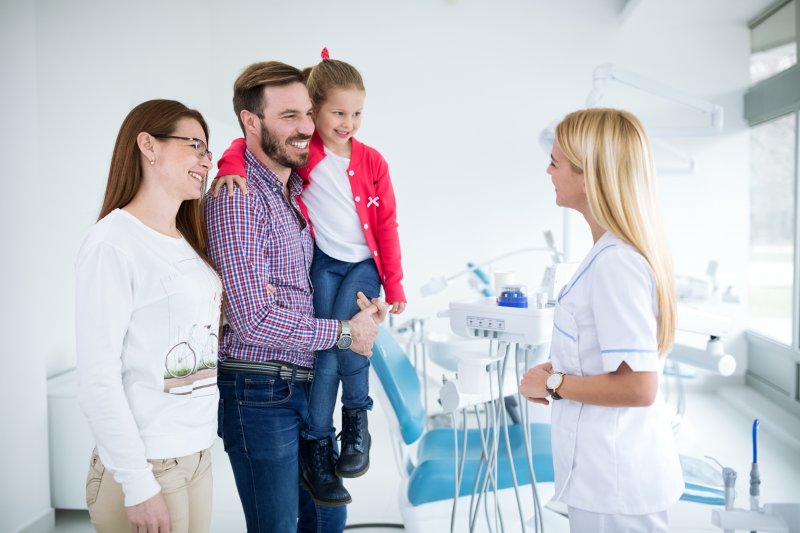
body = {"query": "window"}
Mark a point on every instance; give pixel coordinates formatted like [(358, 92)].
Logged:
[(769, 62), (773, 41), (771, 108), (772, 223)]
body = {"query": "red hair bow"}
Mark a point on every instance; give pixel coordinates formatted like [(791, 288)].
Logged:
[(325, 55)]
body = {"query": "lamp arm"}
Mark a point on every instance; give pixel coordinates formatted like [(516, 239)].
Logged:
[(499, 257), (606, 72)]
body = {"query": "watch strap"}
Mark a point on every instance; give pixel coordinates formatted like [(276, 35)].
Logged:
[(345, 339)]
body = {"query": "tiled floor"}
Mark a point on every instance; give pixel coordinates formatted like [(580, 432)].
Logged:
[(714, 425)]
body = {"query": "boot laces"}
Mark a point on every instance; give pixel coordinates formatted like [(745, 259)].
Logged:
[(322, 458), (350, 433)]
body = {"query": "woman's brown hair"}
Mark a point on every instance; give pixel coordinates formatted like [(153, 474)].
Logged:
[(156, 117)]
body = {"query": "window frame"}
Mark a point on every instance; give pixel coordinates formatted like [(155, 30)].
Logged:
[(775, 371)]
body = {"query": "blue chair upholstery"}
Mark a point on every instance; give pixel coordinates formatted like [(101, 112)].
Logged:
[(703, 482), (436, 470), (401, 384), (433, 478)]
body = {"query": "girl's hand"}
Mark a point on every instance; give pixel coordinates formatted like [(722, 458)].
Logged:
[(219, 181), (397, 307), (532, 386)]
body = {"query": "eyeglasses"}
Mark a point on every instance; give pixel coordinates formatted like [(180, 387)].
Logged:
[(199, 146)]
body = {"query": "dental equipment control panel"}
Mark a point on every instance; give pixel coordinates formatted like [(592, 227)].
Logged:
[(484, 318), (518, 333)]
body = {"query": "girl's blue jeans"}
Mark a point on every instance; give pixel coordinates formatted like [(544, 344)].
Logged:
[(335, 286)]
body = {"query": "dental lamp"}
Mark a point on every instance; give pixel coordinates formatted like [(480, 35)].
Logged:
[(605, 73), (713, 358), (439, 283)]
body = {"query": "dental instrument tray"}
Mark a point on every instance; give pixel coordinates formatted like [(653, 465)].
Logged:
[(484, 318)]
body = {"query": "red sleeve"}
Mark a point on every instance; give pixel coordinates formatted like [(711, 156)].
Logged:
[(232, 161), (387, 236)]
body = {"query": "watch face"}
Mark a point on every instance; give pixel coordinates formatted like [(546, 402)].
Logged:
[(344, 342), (553, 381)]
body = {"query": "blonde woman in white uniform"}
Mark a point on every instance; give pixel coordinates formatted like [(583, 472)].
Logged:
[(614, 457)]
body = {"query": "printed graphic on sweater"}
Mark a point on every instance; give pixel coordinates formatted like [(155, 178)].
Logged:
[(190, 366)]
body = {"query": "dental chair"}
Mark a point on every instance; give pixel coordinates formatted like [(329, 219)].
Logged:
[(428, 461)]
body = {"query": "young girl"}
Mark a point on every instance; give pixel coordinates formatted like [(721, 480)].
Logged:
[(613, 452), (349, 200)]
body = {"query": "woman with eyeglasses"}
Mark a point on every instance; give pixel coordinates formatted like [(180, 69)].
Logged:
[(147, 315)]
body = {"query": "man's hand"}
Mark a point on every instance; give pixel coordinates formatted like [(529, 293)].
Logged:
[(229, 181), (364, 303), (532, 386), (364, 325), (150, 516)]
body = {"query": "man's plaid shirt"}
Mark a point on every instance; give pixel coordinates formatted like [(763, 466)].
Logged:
[(258, 239)]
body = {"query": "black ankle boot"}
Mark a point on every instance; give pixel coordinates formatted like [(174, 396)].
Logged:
[(354, 458), (317, 473)]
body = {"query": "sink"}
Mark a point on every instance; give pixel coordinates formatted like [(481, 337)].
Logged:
[(446, 349)]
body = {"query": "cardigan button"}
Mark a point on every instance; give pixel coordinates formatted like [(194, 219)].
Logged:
[(366, 226), (351, 172), (374, 252), (358, 198)]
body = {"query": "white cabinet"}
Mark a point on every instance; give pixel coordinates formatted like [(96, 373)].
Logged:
[(71, 443)]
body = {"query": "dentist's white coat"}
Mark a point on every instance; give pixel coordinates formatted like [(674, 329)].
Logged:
[(611, 460)]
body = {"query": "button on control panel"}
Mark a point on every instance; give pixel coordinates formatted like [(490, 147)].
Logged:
[(497, 324)]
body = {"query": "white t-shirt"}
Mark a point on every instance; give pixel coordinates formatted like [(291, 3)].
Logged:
[(147, 316), (329, 200), (614, 460)]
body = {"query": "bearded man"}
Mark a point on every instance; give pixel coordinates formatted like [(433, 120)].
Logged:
[(262, 246)]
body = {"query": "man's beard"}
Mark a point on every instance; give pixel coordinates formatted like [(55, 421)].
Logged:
[(276, 150)]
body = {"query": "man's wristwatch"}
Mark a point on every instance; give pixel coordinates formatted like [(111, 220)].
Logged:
[(552, 384), (345, 340)]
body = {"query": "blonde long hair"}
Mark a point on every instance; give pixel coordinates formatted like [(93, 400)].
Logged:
[(612, 151)]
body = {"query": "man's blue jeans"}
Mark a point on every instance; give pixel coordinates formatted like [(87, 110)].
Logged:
[(335, 286), (260, 418)]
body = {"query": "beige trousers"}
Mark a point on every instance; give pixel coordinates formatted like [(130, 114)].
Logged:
[(185, 483)]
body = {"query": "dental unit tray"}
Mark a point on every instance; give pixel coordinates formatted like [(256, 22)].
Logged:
[(485, 319)]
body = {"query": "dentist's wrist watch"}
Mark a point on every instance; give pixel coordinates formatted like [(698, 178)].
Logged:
[(552, 384), (345, 340)]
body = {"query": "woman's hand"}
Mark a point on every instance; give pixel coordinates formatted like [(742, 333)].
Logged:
[(150, 516), (533, 384), (219, 181)]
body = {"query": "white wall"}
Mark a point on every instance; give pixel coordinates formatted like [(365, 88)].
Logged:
[(26, 313), (457, 94)]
